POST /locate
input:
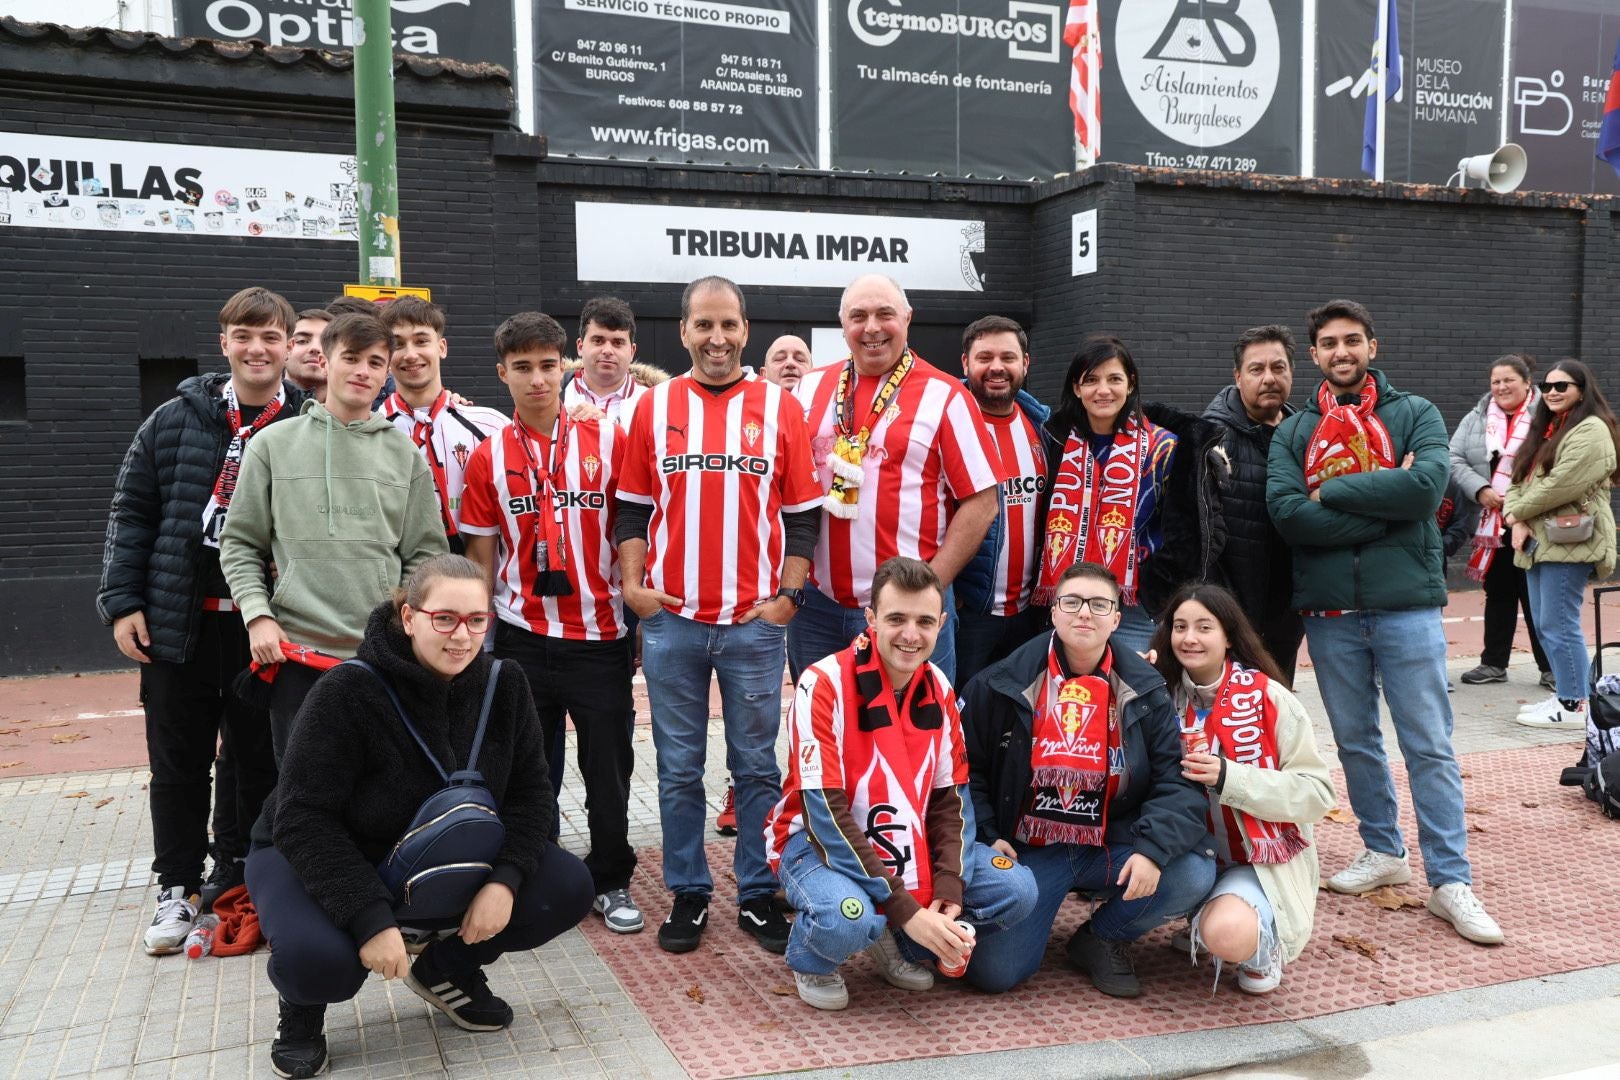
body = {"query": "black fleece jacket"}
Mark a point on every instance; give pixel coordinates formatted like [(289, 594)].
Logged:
[(353, 777)]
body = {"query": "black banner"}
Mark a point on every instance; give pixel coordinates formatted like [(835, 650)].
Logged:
[(678, 80), (1202, 85), (476, 31), (1563, 51), (951, 86)]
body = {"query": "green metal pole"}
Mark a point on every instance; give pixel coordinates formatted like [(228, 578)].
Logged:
[(376, 162)]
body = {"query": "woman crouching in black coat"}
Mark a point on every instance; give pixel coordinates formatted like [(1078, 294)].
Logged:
[(351, 782)]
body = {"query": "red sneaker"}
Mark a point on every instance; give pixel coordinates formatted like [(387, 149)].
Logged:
[(725, 822)]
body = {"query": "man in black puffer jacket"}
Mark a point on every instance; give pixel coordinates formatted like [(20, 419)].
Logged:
[(1257, 564), (166, 599)]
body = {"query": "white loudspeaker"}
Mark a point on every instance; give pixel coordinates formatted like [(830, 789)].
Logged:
[(1500, 171)]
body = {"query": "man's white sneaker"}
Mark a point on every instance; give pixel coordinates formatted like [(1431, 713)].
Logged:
[(822, 991), (618, 911), (1538, 708), (1261, 980), (1371, 870), (895, 968), (1457, 904), (1552, 713), (176, 911)]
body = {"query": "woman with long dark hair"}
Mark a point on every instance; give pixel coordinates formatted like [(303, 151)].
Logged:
[(1483, 451), (1563, 526), (1130, 487), (1248, 741)]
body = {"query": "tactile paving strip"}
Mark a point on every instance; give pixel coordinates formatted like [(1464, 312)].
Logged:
[(729, 1009)]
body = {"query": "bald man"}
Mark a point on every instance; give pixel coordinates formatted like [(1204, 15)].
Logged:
[(786, 361)]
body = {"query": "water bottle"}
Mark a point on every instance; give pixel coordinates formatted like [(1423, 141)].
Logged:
[(200, 942)]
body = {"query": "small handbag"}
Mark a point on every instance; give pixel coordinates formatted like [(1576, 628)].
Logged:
[(1570, 528), (447, 852)]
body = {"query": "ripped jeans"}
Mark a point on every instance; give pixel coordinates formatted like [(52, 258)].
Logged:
[(678, 658), (1242, 882)]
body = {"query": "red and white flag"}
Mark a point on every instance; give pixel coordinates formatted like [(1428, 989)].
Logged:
[(1081, 32)]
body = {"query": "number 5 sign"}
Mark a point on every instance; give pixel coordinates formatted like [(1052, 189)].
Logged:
[(1083, 243)]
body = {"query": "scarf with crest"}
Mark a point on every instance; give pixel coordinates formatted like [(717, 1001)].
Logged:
[(1348, 439), (1242, 727), (1092, 512), (1076, 735), (1503, 437)]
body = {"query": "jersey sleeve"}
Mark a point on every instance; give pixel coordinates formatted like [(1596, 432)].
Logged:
[(480, 516), (637, 483), (965, 447), (814, 721), (800, 488)]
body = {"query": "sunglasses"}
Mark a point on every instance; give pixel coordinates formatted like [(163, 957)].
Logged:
[(1557, 386)]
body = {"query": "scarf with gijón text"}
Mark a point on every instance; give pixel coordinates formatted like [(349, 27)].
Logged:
[(1076, 735), (1503, 437), (1093, 508), (1348, 439), (1242, 727)]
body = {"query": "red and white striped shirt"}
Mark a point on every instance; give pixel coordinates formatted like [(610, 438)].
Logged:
[(499, 501), (928, 452), (1023, 464), (719, 471)]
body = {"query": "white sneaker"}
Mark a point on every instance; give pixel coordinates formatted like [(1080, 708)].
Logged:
[(176, 911), (618, 911), (1553, 714), (822, 991), (895, 968), (1545, 705), (1457, 904), (1371, 870), (1261, 980)]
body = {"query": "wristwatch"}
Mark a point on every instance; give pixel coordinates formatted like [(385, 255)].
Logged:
[(795, 595)]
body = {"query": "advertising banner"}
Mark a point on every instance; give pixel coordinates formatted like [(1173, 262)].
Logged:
[(1202, 84), (1563, 53), (48, 182), (678, 80), (951, 86), (677, 244), (477, 31)]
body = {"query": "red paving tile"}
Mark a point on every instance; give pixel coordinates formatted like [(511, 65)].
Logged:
[(728, 1010)]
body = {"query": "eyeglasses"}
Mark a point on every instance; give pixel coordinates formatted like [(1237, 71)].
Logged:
[(446, 622), (1557, 386), (1070, 604)]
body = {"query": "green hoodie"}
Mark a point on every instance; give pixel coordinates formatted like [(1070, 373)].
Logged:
[(332, 568)]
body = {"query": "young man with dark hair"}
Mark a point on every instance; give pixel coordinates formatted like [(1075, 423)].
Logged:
[(352, 305), (1256, 561), (995, 590), (607, 350), (342, 504), (306, 364), (172, 611), (444, 429), (1353, 482), (873, 837), (537, 514)]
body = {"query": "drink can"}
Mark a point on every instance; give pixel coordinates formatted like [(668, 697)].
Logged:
[(958, 969), (1194, 741)]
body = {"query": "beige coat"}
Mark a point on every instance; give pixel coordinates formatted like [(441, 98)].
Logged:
[(1301, 792), (1580, 472)]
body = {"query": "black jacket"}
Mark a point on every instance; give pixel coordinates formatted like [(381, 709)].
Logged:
[(353, 777), (1256, 564), (1155, 809), (154, 529)]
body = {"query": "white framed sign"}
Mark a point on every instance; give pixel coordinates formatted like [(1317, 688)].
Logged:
[(1083, 243)]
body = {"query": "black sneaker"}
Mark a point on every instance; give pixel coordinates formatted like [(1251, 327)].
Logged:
[(683, 930), (1107, 962), (761, 918), (463, 997), (299, 1049), (226, 875)]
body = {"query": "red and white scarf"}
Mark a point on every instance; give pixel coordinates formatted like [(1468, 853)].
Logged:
[(422, 436), (1092, 513), (550, 553), (1348, 439), (1503, 437), (213, 516), (1242, 727), (1076, 734)]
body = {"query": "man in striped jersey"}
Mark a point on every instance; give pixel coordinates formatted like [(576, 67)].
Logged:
[(537, 514), (993, 590), (907, 467), (444, 428), (717, 519)]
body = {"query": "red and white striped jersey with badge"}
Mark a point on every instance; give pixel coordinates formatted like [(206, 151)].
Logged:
[(452, 433), (719, 471), (1023, 464), (928, 451), (499, 501)]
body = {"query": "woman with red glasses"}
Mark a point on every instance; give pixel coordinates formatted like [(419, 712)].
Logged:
[(353, 779)]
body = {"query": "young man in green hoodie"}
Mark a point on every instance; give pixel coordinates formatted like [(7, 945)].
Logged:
[(340, 504)]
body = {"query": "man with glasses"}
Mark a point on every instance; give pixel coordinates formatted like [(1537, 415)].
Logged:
[(1074, 756)]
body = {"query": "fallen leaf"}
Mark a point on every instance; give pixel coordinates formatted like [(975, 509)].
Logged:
[(1529, 805), (10, 730), (1475, 810), (75, 795), (695, 992), (51, 724), (1466, 775), (783, 990), (9, 764), (1356, 944), (103, 802), (1340, 814), (1390, 900), (1474, 826), (69, 737)]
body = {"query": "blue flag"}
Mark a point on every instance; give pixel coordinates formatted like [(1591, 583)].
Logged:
[(1390, 75)]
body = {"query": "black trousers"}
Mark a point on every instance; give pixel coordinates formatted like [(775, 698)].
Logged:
[(315, 962), (589, 681), (1282, 631), (293, 684), (1507, 592), (191, 713)]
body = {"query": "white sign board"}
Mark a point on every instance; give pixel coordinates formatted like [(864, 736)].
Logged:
[(1083, 243), (107, 185), (677, 244)]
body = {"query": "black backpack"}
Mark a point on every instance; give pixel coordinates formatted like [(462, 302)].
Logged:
[(1602, 786), (446, 854)]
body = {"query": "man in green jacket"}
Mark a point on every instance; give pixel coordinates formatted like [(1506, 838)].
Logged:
[(341, 504), (1353, 483)]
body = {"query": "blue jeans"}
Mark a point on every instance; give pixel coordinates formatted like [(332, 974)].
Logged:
[(1408, 649), (1135, 630), (836, 918), (1556, 593), (677, 656), (1003, 961), (823, 627)]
